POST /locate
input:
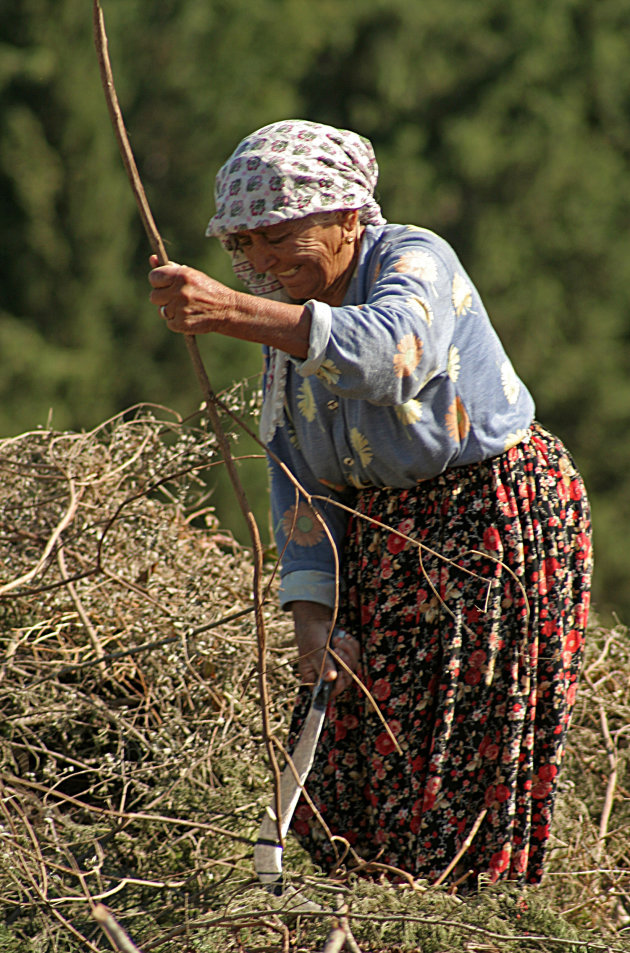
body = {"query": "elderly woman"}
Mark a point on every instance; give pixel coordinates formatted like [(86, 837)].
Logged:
[(442, 526)]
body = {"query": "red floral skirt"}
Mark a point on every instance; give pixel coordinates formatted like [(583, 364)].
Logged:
[(471, 641)]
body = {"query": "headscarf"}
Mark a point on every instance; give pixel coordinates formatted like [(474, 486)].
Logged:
[(285, 171)]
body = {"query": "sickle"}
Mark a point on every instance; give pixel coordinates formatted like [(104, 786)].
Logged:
[(268, 849)]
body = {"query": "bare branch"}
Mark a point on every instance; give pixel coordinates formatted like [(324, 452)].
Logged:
[(115, 933)]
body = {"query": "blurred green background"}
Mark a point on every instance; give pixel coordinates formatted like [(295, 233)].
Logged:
[(504, 125)]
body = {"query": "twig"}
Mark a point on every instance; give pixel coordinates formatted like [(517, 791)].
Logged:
[(460, 853), (372, 701), (602, 656), (41, 885), (85, 619), (610, 787), (115, 933), (611, 753), (61, 526), (126, 816), (39, 890), (344, 923), (374, 866), (336, 940), (341, 935), (210, 399)]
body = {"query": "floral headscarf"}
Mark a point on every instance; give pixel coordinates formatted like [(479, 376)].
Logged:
[(285, 171)]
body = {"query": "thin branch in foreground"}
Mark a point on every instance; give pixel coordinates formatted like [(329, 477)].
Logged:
[(343, 928), (460, 853), (115, 933), (65, 521)]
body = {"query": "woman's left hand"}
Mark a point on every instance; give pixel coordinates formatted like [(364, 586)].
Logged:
[(312, 627), (189, 301)]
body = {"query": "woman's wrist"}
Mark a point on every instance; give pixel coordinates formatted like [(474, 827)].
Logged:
[(274, 323), (305, 612)]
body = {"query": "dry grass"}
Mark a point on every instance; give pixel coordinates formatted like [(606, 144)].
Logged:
[(132, 766)]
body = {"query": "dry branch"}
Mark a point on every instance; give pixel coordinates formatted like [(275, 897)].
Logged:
[(142, 765), (115, 933), (463, 849)]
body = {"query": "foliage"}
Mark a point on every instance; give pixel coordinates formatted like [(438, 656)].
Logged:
[(502, 125), (131, 763)]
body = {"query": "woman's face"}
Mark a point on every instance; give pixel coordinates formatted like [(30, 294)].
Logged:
[(309, 258)]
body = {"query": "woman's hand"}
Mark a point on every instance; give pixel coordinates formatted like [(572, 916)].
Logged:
[(189, 301), (193, 303), (312, 625)]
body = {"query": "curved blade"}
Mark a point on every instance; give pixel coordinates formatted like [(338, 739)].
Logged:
[(268, 849)]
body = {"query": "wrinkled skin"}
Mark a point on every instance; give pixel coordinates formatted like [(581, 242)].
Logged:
[(310, 259)]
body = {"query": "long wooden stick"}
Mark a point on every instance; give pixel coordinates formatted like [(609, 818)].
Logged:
[(100, 39)]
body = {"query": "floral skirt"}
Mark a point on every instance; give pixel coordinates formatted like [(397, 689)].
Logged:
[(469, 596)]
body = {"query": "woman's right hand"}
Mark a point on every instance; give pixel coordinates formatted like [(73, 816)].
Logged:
[(312, 626), (192, 302), (189, 301)]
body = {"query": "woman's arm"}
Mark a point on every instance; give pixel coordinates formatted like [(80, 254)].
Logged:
[(395, 338), (193, 303)]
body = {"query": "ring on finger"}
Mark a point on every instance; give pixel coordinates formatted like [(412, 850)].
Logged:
[(163, 312)]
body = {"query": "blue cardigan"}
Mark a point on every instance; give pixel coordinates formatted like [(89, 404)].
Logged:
[(405, 379)]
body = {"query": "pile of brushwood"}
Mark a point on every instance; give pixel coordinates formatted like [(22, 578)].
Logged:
[(133, 762)]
